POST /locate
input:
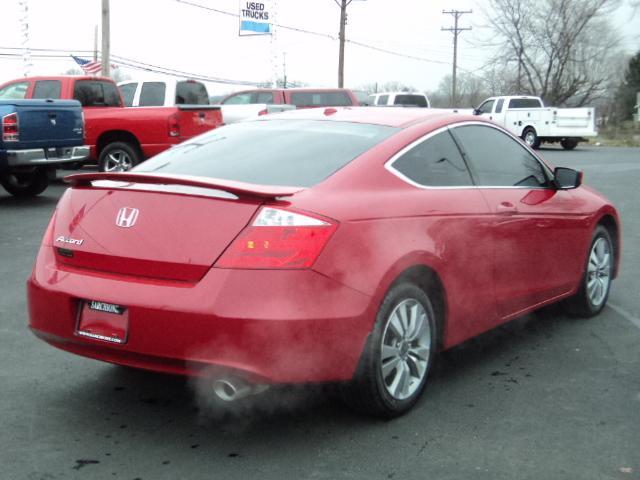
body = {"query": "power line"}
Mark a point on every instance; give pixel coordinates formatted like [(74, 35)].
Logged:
[(318, 34)]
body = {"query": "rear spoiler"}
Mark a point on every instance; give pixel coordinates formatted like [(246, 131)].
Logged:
[(241, 189)]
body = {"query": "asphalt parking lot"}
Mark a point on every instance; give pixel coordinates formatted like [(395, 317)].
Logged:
[(544, 397)]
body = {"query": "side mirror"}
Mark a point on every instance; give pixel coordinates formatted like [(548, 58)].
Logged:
[(567, 178), (477, 111)]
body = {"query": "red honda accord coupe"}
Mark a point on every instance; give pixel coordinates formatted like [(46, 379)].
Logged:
[(331, 245)]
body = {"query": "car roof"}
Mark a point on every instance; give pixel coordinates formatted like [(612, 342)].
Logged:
[(388, 116)]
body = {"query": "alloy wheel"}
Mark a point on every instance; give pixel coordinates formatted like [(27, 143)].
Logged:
[(405, 349)]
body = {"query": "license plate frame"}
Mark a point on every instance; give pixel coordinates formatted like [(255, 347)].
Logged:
[(103, 322)]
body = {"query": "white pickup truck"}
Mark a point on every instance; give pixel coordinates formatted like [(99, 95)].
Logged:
[(165, 93), (529, 119)]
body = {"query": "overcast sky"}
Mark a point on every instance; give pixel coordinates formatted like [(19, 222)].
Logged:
[(191, 39)]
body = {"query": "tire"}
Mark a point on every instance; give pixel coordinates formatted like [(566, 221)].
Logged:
[(118, 157), (568, 143), (397, 357), (26, 184), (531, 138), (596, 281)]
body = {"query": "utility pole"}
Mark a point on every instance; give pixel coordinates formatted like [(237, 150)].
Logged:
[(343, 4), (456, 31), (284, 69), (343, 21), (106, 44)]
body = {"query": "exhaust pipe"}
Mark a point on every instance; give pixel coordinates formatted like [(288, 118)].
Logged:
[(231, 389)]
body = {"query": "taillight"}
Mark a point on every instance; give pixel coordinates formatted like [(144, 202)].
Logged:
[(10, 128), (264, 111), (174, 126), (279, 238)]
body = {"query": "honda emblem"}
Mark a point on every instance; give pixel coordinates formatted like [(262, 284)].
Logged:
[(127, 217)]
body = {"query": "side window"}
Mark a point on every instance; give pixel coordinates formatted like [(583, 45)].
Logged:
[(264, 97), (47, 89), (128, 91), (15, 91), (320, 99), (239, 99), (383, 99), (371, 100), (486, 107), (499, 160), (436, 162), (499, 105), (152, 94)]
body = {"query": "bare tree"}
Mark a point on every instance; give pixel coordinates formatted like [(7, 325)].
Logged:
[(471, 90), (557, 49)]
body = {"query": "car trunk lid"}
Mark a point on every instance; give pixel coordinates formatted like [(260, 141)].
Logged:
[(152, 226)]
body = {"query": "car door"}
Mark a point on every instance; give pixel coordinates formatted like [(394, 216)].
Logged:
[(534, 224), (455, 224)]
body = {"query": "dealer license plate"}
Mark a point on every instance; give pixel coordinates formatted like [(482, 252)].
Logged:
[(104, 321)]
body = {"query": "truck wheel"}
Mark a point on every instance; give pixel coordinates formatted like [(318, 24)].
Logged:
[(118, 157), (530, 137), (568, 143), (26, 184)]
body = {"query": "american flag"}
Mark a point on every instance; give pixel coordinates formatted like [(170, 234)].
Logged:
[(89, 66)]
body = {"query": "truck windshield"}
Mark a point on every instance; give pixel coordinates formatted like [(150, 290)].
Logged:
[(271, 152)]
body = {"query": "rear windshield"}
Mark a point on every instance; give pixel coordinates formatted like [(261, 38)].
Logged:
[(321, 99), (407, 99), (271, 152), (92, 93), (47, 89), (191, 93), (524, 103)]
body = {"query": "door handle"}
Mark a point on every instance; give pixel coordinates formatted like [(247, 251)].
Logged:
[(506, 208)]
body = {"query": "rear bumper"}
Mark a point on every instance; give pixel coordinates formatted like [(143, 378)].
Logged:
[(293, 326), (45, 156)]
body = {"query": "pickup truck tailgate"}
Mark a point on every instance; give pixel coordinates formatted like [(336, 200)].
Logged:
[(197, 119), (49, 123)]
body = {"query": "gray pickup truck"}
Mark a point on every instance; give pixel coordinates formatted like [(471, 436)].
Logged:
[(38, 136)]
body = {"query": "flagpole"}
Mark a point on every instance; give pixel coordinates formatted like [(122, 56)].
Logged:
[(105, 38), (26, 50)]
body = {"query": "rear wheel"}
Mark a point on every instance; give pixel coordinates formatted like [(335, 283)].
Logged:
[(398, 355), (530, 137), (569, 143), (596, 283), (28, 184), (118, 157)]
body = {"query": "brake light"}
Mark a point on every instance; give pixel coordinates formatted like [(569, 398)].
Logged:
[(279, 238), (264, 111), (174, 126), (10, 128)]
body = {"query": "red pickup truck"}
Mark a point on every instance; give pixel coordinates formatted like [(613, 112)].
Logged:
[(119, 137), (300, 97)]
